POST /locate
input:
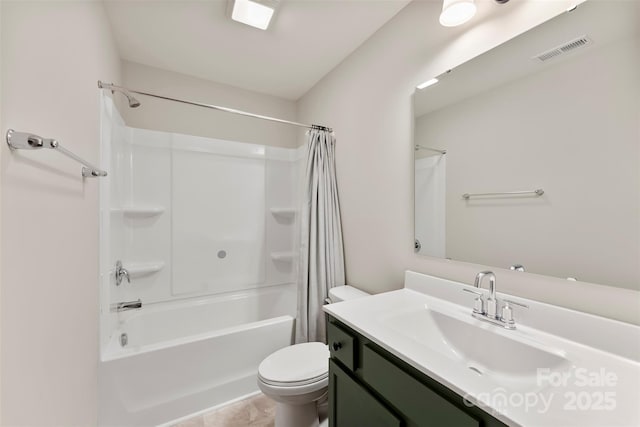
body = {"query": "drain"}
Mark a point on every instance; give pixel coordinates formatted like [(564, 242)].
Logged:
[(124, 340), (474, 369)]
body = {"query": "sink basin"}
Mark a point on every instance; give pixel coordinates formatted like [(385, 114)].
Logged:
[(428, 324), (486, 349)]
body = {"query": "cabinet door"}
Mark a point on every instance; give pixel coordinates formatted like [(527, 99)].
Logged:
[(413, 399), (351, 405), (342, 346)]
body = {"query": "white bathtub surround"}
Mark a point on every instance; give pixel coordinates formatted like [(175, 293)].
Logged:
[(165, 325), (430, 204), (187, 356), (321, 262), (201, 206), (201, 224), (192, 216)]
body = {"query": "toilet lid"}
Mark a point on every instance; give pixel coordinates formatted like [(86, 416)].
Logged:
[(297, 364)]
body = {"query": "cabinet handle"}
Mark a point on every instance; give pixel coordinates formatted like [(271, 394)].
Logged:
[(336, 346)]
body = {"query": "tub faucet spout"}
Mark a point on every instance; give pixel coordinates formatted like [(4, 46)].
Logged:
[(126, 305)]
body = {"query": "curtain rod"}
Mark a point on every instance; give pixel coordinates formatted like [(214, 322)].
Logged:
[(133, 103)]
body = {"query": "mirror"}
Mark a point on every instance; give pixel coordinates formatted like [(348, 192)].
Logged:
[(542, 159)]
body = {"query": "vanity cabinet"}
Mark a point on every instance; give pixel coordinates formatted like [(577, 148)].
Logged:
[(370, 387)]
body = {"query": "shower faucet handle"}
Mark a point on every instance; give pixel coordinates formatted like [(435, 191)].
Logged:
[(121, 273)]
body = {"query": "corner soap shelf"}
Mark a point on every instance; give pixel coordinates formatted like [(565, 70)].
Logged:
[(141, 269), (287, 256), (140, 211), (283, 212)]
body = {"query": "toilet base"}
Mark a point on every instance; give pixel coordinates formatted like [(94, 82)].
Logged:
[(297, 415)]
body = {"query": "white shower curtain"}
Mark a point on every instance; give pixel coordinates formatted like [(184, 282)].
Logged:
[(321, 260)]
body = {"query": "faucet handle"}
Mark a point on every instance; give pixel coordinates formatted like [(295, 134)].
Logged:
[(478, 303), (519, 304), (507, 312)]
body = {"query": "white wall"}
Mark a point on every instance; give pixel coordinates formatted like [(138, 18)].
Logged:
[(54, 52), (1, 129), (367, 99), (588, 222), (168, 116)]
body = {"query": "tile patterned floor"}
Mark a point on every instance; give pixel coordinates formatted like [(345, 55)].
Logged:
[(256, 411)]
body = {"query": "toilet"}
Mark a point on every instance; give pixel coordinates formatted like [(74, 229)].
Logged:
[(297, 377)]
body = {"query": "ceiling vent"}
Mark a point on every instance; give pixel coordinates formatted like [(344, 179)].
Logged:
[(567, 47)]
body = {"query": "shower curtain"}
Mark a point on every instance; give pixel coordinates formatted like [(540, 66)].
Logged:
[(321, 260)]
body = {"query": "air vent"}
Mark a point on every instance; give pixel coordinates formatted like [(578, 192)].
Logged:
[(567, 47)]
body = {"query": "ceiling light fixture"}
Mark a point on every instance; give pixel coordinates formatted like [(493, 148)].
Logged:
[(258, 14), (433, 81), (457, 12), (428, 83)]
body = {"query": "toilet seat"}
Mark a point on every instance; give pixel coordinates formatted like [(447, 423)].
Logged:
[(295, 366), (293, 383), (299, 393)]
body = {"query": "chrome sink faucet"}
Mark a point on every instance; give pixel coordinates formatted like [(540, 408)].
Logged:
[(490, 313), (492, 303)]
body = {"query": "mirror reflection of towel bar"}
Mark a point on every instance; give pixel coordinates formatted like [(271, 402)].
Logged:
[(23, 140), (538, 192), (424, 147)]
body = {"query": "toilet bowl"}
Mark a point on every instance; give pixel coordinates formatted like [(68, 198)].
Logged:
[(297, 377)]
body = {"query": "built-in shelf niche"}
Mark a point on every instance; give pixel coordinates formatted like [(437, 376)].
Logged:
[(139, 211)]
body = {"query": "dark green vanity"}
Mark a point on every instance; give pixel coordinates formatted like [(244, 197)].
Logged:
[(370, 387)]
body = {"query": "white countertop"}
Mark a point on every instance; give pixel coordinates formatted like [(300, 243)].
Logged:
[(597, 383)]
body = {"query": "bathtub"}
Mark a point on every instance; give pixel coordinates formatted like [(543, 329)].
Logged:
[(185, 357)]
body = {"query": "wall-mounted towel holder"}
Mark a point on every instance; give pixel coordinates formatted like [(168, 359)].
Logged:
[(29, 141), (538, 192)]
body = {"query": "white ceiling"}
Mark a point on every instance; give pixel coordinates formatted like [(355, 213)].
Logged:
[(306, 40)]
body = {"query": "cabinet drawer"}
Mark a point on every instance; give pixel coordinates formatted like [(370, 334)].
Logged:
[(342, 345), (351, 405), (410, 396)]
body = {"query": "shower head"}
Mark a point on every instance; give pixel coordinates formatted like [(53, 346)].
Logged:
[(133, 102)]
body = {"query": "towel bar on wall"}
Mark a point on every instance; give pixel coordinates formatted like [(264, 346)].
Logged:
[(423, 147), (538, 192), (28, 141)]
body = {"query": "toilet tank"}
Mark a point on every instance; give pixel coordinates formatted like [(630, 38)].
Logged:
[(346, 292)]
